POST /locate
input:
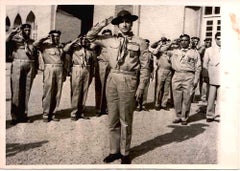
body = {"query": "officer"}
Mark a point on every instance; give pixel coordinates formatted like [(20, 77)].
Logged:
[(80, 74), (101, 74), (23, 71), (127, 54), (141, 104), (194, 42), (163, 74), (187, 65), (211, 66), (203, 85), (54, 73)]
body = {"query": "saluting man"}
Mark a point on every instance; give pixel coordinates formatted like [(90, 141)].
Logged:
[(23, 71), (127, 55), (54, 73)]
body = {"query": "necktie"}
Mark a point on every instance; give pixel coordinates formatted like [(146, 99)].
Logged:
[(123, 50)]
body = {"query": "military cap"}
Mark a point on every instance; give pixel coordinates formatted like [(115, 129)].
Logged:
[(195, 38), (184, 35), (55, 31), (163, 39), (207, 40), (124, 14), (26, 26)]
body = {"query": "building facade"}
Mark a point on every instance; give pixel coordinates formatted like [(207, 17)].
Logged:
[(154, 21)]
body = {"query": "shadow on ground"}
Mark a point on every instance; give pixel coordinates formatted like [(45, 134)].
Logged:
[(14, 148), (178, 134)]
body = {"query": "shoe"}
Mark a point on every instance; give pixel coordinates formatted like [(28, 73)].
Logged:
[(111, 157), (210, 119), (178, 120), (83, 117), (144, 108), (165, 108), (14, 122), (26, 120), (184, 122), (157, 108), (54, 119), (74, 118), (138, 109), (125, 160)]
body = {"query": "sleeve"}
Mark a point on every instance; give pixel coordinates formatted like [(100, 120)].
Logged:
[(197, 67), (93, 36), (205, 63), (145, 57)]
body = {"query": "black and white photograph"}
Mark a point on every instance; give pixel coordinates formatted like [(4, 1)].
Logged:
[(120, 85)]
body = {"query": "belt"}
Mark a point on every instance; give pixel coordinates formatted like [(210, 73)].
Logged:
[(185, 72), (54, 65), (133, 73), (74, 65), (24, 60)]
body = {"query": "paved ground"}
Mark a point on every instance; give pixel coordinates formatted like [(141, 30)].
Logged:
[(155, 139)]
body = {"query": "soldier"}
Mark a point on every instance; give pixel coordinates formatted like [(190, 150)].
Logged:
[(23, 71), (211, 67), (163, 74), (80, 74), (141, 104), (54, 73), (203, 85), (187, 65), (101, 74), (127, 54)]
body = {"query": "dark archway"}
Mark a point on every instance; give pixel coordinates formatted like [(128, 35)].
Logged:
[(8, 24), (17, 21)]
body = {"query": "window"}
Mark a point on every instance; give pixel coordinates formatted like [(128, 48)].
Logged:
[(17, 21), (8, 24), (31, 20), (211, 10)]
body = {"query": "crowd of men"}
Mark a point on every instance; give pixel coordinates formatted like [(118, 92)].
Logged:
[(123, 65)]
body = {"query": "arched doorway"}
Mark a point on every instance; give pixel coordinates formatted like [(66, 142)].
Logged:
[(73, 20), (31, 19), (8, 24), (17, 21)]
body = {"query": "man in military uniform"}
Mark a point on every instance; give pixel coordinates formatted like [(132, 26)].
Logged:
[(203, 84), (187, 65), (163, 73), (101, 74), (127, 54), (54, 73), (82, 60), (23, 71), (211, 66)]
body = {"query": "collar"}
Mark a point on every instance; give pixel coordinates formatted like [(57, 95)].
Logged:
[(129, 35)]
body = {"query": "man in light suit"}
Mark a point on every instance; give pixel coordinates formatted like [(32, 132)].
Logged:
[(211, 66)]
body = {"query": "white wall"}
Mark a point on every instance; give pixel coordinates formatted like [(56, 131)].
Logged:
[(157, 21)]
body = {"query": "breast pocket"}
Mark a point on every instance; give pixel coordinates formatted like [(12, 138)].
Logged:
[(133, 49)]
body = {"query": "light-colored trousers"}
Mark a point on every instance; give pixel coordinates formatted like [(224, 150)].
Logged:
[(212, 109), (182, 85), (80, 80), (120, 92), (52, 88), (22, 75), (163, 79)]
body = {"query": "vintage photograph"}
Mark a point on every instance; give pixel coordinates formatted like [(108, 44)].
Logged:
[(112, 84)]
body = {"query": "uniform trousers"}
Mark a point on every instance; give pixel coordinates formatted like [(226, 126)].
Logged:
[(120, 92), (163, 80), (212, 109), (22, 75), (52, 88), (100, 85), (80, 81), (182, 85)]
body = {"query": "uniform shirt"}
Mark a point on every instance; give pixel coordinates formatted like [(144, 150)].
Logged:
[(186, 60), (51, 54), (163, 60), (81, 56), (135, 57), (211, 64), (23, 49)]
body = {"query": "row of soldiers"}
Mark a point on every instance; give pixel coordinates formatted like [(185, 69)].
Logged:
[(126, 60)]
